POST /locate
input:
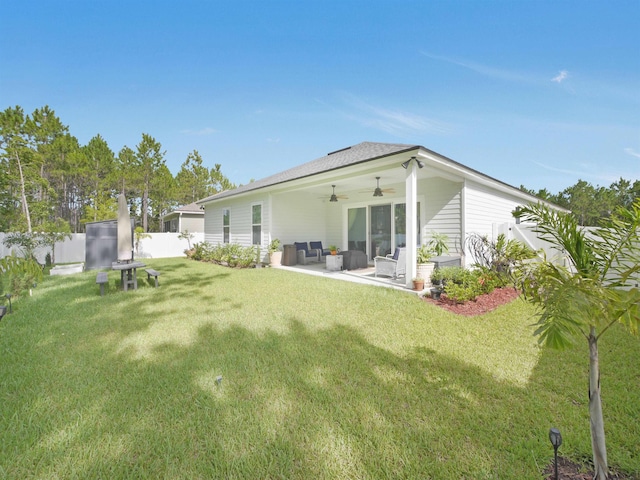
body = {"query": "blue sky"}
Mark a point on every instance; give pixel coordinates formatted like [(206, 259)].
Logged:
[(533, 93)]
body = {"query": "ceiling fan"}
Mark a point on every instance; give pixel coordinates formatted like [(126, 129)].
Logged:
[(334, 197), (379, 191)]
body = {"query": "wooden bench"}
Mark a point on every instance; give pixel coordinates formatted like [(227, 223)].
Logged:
[(152, 273), (102, 279)]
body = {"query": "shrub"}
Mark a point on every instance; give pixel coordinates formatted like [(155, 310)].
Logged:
[(499, 256), (18, 275), (461, 293), (229, 254), (463, 285), (202, 251), (452, 275)]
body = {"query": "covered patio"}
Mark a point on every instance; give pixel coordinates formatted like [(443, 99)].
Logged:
[(365, 276)]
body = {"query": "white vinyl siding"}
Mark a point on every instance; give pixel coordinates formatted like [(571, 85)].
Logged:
[(240, 221), (487, 207), (299, 217), (192, 223), (441, 207)]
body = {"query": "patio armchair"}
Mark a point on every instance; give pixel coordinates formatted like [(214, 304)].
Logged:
[(318, 246), (305, 254), (392, 266)]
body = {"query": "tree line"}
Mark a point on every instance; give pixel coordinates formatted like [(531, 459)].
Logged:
[(592, 205), (49, 182)]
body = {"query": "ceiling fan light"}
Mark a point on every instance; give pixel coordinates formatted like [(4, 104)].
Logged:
[(334, 197), (378, 191)]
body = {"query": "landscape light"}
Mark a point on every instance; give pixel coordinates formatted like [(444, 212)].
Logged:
[(556, 441)]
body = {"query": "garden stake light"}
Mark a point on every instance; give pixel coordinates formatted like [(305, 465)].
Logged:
[(556, 441), (8, 296)]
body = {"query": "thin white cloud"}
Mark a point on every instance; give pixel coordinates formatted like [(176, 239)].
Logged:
[(587, 171), (561, 77), (391, 121), (632, 152), (485, 70), (202, 132)]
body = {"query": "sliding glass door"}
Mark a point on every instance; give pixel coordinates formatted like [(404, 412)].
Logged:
[(378, 229), (357, 229)]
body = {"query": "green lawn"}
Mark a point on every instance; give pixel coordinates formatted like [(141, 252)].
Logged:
[(321, 379)]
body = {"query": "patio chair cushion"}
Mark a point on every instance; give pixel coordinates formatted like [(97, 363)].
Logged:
[(396, 254), (304, 247), (318, 246), (305, 254)]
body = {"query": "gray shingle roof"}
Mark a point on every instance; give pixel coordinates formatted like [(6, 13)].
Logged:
[(362, 152), (191, 208)]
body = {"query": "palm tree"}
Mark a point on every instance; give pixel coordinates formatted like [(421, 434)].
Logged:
[(598, 289)]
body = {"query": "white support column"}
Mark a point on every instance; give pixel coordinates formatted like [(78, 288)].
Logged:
[(411, 199)]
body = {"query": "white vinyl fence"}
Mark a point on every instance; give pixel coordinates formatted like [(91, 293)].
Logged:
[(159, 245), (524, 233)]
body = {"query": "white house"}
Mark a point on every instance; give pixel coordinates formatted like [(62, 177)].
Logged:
[(371, 197), (188, 217)]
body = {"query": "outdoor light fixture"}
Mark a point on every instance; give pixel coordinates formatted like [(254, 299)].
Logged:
[(3, 311), (377, 192), (8, 297), (333, 198), (405, 165), (556, 441)]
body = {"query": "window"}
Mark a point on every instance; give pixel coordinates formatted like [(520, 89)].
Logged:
[(225, 225), (256, 223)]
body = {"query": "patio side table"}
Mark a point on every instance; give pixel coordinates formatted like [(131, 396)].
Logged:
[(334, 263)]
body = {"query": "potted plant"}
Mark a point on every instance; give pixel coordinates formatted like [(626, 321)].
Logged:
[(333, 249), (425, 266), (275, 255), (418, 284), (439, 243)]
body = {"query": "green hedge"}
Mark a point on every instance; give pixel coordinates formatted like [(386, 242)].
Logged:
[(229, 254)]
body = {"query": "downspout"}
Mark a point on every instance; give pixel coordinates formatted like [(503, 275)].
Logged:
[(411, 199), (180, 222), (270, 236), (463, 222)]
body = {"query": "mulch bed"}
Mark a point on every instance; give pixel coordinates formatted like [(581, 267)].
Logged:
[(483, 304), (568, 470)]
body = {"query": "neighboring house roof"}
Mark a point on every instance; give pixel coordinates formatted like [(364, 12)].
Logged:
[(192, 208), (362, 152)]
